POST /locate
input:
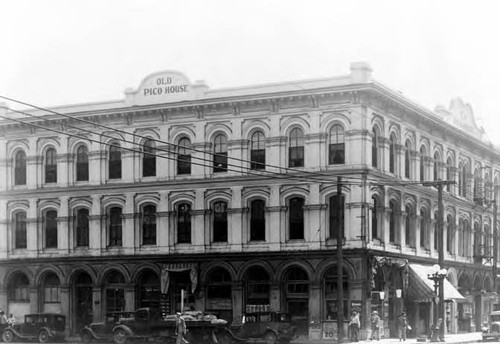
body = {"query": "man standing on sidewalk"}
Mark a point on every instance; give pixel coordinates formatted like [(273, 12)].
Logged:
[(354, 326), (375, 322), (402, 326)]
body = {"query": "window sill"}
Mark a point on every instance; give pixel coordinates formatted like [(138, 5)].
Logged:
[(19, 301)]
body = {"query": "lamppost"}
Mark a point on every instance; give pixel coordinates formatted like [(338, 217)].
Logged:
[(437, 277)]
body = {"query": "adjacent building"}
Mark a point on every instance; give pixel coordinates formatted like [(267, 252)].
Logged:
[(231, 199)]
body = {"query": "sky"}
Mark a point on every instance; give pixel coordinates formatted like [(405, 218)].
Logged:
[(55, 52)]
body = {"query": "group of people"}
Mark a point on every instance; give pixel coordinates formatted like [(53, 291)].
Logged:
[(355, 324), (4, 321)]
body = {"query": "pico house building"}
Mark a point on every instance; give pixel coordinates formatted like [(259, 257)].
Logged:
[(231, 198)]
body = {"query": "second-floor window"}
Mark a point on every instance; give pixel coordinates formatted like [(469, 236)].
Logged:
[(149, 225), (148, 159), (82, 164), (115, 227), (375, 233), (20, 168), (408, 160), (375, 147), (51, 166), (220, 153), (20, 240), (336, 208), (184, 223), (50, 224), (220, 221), (257, 220), (393, 153), (258, 151), (296, 148), (296, 218), (184, 156), (449, 173), (336, 149), (393, 221), (82, 227), (115, 161)]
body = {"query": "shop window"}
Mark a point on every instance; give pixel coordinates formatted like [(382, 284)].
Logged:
[(82, 228), (408, 159), (331, 294), (148, 294), (219, 294), (296, 218), (393, 221), (50, 225), (184, 223), (20, 240), (20, 168), (51, 289), (51, 166), (220, 153), (149, 159), (82, 164), (296, 148), (220, 222), (336, 209), (149, 225), (115, 227), (375, 233), (257, 290), (18, 288), (115, 293), (258, 151), (336, 148), (115, 161), (184, 156), (257, 220)]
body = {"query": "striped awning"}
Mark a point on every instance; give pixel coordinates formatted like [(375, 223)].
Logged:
[(421, 288), (178, 267)]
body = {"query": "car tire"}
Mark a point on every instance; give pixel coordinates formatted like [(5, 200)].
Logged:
[(270, 338), (43, 336), (8, 336), (225, 339), (120, 336), (86, 337)]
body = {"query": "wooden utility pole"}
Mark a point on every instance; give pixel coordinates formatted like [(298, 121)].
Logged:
[(340, 267), (495, 243)]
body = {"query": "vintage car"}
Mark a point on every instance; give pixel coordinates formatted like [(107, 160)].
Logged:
[(103, 331), (264, 327), (491, 330), (43, 327)]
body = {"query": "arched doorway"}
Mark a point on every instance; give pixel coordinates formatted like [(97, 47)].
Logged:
[(219, 294), (465, 309), (18, 295), (50, 294), (257, 290), (82, 300), (148, 289), (296, 293)]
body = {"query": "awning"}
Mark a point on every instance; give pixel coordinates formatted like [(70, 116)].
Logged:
[(177, 267), (421, 289)]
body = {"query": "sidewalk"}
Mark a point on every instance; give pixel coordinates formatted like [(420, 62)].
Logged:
[(461, 338)]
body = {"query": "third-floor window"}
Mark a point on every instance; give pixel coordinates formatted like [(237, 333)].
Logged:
[(336, 149), (51, 166), (82, 164), (258, 151), (296, 148), (184, 156), (220, 153), (148, 159)]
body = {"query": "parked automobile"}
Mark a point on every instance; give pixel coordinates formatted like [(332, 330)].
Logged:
[(103, 331), (43, 327), (491, 330), (263, 327)]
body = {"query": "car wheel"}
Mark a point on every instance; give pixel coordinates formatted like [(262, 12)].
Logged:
[(120, 336), (8, 336), (86, 337), (270, 338), (43, 336), (225, 339)]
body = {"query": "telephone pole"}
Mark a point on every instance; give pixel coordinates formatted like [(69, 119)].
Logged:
[(340, 266)]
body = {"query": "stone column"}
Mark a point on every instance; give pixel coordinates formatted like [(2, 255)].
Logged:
[(62, 168), (236, 218), (97, 236), (130, 298), (97, 167), (32, 237), (237, 300), (98, 304), (274, 296), (201, 161), (402, 228), (315, 310), (32, 175), (128, 235), (127, 165), (312, 150), (6, 245), (34, 304), (4, 303), (418, 248), (64, 300), (63, 226)]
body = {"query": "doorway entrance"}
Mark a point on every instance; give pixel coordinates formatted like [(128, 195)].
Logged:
[(83, 301)]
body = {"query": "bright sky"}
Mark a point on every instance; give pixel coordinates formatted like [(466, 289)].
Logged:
[(55, 52)]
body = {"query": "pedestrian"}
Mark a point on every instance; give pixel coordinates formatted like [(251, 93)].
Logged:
[(402, 326), (11, 320), (354, 325), (435, 335), (180, 329), (3, 320), (375, 324)]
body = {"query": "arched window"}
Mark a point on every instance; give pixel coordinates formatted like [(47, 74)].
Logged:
[(258, 151), (375, 233), (331, 295), (336, 152), (449, 173), (375, 147), (393, 221), (220, 222), (149, 225), (296, 218), (393, 153), (423, 228), (115, 226), (478, 241), (436, 231), (258, 287), (408, 225), (20, 240), (477, 185), (450, 234), (184, 156), (51, 166), (50, 225), (115, 292), (408, 159), (462, 181), (82, 227), (51, 288), (297, 295), (422, 163), (296, 148), (337, 217), (18, 288), (257, 220), (148, 292), (115, 161), (20, 168), (437, 161), (149, 159), (82, 164), (184, 223), (220, 153), (219, 293)]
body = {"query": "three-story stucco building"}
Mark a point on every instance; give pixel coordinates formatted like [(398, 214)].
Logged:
[(231, 195)]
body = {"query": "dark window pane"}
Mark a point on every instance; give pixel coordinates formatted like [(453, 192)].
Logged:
[(51, 166), (115, 162), (149, 225), (257, 220), (374, 148), (51, 229), (184, 223), (20, 230), (336, 154), (20, 168), (258, 151), (296, 156), (149, 159), (184, 156), (82, 227), (82, 164), (336, 217), (220, 222), (220, 162), (115, 227), (296, 218)]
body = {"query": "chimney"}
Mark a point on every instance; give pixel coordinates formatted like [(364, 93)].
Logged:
[(361, 72)]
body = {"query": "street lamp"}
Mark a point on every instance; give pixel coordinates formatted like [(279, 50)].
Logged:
[(437, 276)]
